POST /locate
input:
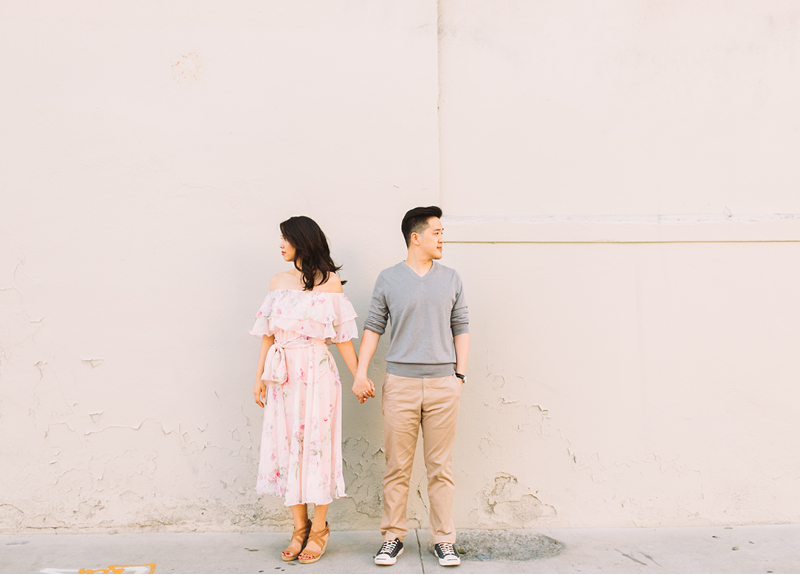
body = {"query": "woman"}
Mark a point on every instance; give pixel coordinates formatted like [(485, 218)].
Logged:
[(297, 380)]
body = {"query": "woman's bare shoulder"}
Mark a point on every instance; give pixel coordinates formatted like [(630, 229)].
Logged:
[(333, 285), (283, 280)]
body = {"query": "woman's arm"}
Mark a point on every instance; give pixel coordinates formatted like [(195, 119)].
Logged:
[(348, 355), (260, 389)]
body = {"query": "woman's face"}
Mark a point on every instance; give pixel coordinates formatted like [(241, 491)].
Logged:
[(287, 250)]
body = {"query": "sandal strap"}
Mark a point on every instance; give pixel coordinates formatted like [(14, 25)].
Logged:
[(301, 532), (316, 536)]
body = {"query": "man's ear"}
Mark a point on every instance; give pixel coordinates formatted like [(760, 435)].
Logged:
[(415, 238)]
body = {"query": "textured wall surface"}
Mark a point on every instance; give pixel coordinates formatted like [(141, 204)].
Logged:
[(619, 180), (621, 187), (621, 107), (148, 154)]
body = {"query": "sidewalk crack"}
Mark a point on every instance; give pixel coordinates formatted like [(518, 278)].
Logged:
[(631, 558)]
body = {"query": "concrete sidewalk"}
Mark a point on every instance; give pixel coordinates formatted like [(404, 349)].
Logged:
[(749, 549)]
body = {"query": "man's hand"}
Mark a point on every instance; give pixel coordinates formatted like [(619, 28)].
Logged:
[(363, 388), (260, 392)]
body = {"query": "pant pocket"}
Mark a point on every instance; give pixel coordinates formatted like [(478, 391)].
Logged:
[(457, 383), (384, 389)]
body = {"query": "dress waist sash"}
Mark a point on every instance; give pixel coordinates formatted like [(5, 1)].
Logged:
[(275, 369)]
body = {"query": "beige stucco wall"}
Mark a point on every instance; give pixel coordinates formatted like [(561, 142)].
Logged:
[(621, 179), (149, 152), (619, 182)]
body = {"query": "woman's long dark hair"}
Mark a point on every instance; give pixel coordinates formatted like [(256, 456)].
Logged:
[(312, 257)]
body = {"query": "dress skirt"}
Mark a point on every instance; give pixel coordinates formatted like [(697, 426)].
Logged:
[(301, 439)]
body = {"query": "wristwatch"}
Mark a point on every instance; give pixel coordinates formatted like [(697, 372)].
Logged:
[(463, 378)]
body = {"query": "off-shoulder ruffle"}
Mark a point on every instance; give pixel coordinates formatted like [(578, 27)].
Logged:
[(320, 315)]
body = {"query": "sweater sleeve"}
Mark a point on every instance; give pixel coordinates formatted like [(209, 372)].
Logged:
[(378, 309), (459, 315)]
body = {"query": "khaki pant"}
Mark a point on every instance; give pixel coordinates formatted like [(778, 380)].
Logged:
[(409, 402)]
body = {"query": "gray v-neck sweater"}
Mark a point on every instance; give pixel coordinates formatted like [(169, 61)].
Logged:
[(425, 312)]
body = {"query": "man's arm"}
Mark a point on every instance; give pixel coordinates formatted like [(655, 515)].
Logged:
[(374, 326), (369, 343), (461, 343), (459, 324), (363, 387)]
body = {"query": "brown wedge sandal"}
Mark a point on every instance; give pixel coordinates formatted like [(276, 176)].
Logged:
[(316, 537), (300, 535)]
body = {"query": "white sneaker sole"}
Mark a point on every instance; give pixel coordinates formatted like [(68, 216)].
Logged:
[(450, 562), (388, 560)]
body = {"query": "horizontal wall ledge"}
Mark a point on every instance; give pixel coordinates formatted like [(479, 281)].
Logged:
[(623, 229)]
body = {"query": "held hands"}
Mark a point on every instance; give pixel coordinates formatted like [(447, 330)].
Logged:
[(363, 388), (260, 392)]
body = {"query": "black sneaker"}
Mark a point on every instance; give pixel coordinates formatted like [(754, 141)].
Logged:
[(447, 554), (389, 552)]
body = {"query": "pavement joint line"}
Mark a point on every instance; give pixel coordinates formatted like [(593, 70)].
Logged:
[(419, 551)]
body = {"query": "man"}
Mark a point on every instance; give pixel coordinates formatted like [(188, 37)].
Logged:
[(425, 368)]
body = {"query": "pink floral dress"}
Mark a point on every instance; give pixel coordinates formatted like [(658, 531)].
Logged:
[(301, 441)]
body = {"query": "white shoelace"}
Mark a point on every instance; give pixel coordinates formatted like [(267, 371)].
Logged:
[(447, 548), (387, 547)]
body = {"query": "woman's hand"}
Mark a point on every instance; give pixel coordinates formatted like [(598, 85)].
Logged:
[(363, 388), (260, 392)]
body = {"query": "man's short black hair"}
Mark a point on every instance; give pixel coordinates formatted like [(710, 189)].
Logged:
[(416, 220)]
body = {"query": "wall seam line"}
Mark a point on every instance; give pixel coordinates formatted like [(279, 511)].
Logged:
[(439, 101), (622, 242)]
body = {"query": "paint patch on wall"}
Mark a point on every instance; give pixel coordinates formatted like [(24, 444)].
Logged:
[(11, 515), (505, 502), (187, 68), (362, 464)]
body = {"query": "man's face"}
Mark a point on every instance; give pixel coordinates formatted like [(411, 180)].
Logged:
[(431, 239)]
